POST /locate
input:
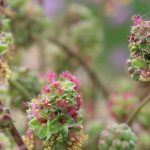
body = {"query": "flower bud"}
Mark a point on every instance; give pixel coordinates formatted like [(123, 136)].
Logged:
[(117, 136)]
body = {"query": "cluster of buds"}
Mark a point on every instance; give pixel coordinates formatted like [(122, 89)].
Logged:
[(76, 140), (56, 110), (5, 42), (139, 47), (121, 105), (4, 72), (29, 140), (49, 144), (117, 137), (25, 34)]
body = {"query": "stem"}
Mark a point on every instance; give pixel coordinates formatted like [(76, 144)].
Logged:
[(1, 6), (6, 121), (20, 88), (137, 110), (87, 68)]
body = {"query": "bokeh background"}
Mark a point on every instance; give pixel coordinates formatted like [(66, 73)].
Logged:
[(89, 38)]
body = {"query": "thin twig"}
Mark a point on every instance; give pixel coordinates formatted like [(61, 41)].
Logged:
[(137, 110), (7, 122), (20, 88), (97, 82), (1, 6)]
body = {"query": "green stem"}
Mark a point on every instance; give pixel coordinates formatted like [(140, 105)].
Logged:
[(20, 88), (137, 110)]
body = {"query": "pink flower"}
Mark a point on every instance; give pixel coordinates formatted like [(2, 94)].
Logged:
[(71, 78), (46, 90), (57, 84), (79, 101), (75, 81), (136, 20), (75, 116), (132, 38), (65, 74), (72, 112), (58, 87), (46, 104), (126, 95), (61, 103), (51, 77), (60, 91), (34, 111)]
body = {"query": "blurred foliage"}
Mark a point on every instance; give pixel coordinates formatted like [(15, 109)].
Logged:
[(95, 30), (20, 80)]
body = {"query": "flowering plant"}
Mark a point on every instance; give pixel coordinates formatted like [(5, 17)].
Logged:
[(117, 136), (121, 105), (139, 43), (55, 113)]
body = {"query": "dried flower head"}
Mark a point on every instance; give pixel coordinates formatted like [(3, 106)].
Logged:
[(4, 72), (29, 140), (76, 140)]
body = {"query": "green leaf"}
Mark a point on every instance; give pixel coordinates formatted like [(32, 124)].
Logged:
[(79, 120), (42, 132), (132, 47), (48, 135), (34, 124), (135, 77), (53, 126), (3, 48), (138, 64), (64, 131), (69, 120)]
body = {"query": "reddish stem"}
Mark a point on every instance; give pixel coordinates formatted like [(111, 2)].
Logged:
[(95, 79), (1, 6), (7, 122)]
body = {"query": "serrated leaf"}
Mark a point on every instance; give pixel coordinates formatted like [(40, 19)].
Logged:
[(64, 131), (132, 47), (69, 120), (79, 120), (42, 132), (138, 64), (34, 124), (3, 48), (54, 126), (48, 135)]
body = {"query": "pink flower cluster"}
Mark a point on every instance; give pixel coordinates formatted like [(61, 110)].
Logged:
[(120, 105), (65, 98), (137, 20), (51, 76), (70, 77)]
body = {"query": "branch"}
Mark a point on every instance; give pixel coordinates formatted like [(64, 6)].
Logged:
[(7, 122), (20, 88), (137, 110), (87, 68), (1, 6)]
